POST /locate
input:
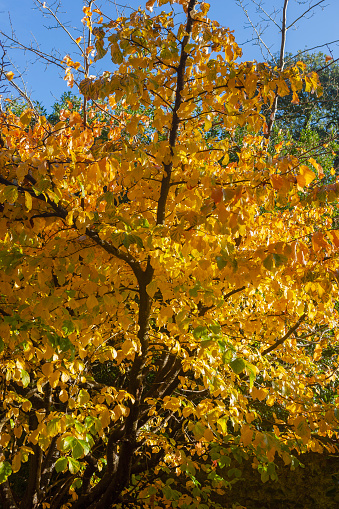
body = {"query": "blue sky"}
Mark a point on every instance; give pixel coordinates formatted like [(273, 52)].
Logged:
[(46, 83)]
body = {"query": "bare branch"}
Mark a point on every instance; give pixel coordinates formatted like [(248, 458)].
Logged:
[(43, 5), (50, 59), (266, 13), (308, 50), (256, 31), (304, 13)]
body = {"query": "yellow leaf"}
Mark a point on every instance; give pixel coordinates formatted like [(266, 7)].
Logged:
[(10, 75), (151, 288), (4, 439), (317, 352), (259, 394), (205, 7), (63, 396), (26, 406), (69, 218), (18, 431), (105, 418), (83, 397), (127, 347), (91, 302), (71, 403), (305, 177), (25, 118), (246, 434), (276, 430), (187, 411), (209, 435), (28, 201), (54, 378), (208, 125), (47, 369), (222, 423), (16, 462), (270, 400)]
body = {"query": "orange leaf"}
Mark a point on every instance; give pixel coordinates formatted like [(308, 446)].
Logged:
[(334, 237), (295, 99), (149, 5), (318, 241), (318, 167)]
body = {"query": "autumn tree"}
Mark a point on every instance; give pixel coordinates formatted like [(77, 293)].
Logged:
[(168, 296)]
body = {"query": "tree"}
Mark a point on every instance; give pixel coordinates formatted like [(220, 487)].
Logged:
[(317, 113), (165, 308)]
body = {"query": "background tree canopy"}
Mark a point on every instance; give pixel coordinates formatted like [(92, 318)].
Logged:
[(169, 272)]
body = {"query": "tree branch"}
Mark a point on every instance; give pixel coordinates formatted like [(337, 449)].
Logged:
[(165, 183), (274, 108), (284, 338)]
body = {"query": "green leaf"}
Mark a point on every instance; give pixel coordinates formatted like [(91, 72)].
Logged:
[(264, 476), (216, 329), (189, 467), (274, 261), (53, 426), (25, 378), (193, 292), (86, 445), (280, 260), (227, 356), (130, 239), (10, 260), (101, 51), (224, 461), (9, 194), (238, 365), (93, 424), (61, 464), (206, 343), (77, 450), (200, 332), (68, 327), (116, 55), (67, 443), (221, 262), (251, 372), (234, 472), (269, 262), (73, 465), (5, 471)]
